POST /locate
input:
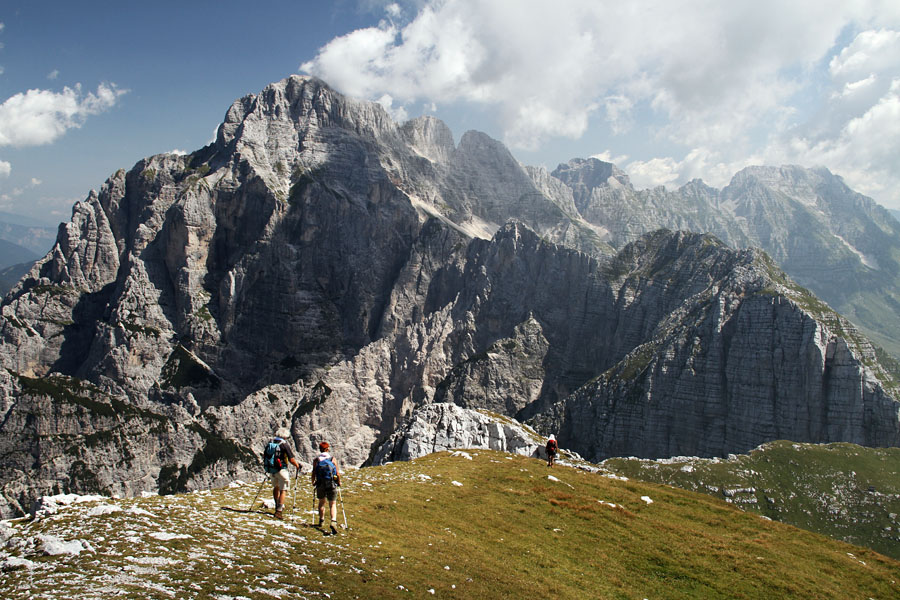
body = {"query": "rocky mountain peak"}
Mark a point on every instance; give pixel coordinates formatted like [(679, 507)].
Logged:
[(793, 181), (698, 187), (430, 137), (307, 102), (590, 173), (593, 182), (475, 145)]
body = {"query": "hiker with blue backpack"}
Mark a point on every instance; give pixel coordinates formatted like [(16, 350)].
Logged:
[(326, 478), (276, 457)]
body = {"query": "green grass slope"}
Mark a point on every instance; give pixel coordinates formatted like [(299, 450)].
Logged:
[(479, 524), (845, 491)]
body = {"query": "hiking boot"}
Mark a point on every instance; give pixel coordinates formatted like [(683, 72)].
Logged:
[(333, 529), (279, 514)]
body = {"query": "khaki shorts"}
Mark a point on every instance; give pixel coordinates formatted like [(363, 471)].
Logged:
[(282, 480)]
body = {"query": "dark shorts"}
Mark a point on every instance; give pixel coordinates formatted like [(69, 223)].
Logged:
[(551, 453), (321, 492)]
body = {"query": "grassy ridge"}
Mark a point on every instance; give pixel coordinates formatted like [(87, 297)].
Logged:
[(492, 527), (845, 491)]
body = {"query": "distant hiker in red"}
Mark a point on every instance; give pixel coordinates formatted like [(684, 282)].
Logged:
[(552, 449), (276, 457), (326, 478)]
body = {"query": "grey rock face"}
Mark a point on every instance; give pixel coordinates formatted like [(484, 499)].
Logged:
[(322, 268), (62, 435), (506, 379), (794, 380)]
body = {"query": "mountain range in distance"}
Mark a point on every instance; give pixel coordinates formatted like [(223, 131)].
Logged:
[(22, 241)]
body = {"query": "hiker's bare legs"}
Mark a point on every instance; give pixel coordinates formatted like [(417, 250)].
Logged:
[(332, 505), (279, 495)]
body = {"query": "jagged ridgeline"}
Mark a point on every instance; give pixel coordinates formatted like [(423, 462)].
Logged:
[(323, 267)]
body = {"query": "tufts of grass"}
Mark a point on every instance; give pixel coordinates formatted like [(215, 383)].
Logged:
[(203, 313), (141, 329), (51, 290)]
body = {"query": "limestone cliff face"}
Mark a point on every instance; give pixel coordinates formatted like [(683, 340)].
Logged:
[(779, 364), (506, 379), (321, 267)]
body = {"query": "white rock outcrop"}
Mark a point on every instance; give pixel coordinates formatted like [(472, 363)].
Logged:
[(445, 426)]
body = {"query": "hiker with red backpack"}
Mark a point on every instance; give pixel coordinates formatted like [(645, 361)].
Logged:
[(552, 448), (276, 457), (326, 478)]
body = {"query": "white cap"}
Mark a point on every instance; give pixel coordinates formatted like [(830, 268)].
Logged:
[(552, 437)]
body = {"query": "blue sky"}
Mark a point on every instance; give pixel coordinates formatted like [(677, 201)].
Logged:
[(668, 90)]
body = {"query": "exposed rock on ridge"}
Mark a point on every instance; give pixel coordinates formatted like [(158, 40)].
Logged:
[(444, 426)]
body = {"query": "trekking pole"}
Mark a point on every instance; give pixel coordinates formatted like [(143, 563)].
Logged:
[(258, 490), (341, 497), (314, 514), (294, 503)]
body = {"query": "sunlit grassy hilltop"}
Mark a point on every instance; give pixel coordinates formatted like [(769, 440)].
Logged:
[(845, 491), (474, 524)]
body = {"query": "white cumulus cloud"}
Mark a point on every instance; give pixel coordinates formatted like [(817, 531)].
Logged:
[(855, 133), (699, 163), (870, 52), (720, 85), (5, 168), (397, 113), (653, 172), (864, 150), (53, 74), (39, 117), (712, 68), (608, 156), (393, 10)]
